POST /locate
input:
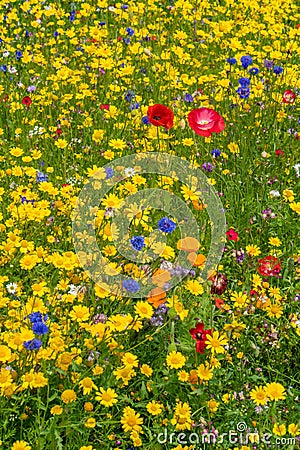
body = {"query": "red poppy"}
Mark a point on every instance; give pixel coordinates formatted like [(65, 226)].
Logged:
[(205, 121), (232, 235), (288, 96), (26, 101), (58, 132), (279, 152), (160, 116), (269, 266), (199, 334)]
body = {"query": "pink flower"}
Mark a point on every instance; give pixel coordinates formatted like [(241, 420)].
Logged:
[(232, 235), (205, 121)]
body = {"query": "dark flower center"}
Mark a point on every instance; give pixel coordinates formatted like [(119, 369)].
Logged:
[(156, 117)]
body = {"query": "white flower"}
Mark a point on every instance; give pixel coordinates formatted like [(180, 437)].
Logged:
[(12, 288), (297, 169), (5, 54), (275, 193), (12, 70), (129, 172)]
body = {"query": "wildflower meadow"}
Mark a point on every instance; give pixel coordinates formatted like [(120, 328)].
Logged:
[(149, 225)]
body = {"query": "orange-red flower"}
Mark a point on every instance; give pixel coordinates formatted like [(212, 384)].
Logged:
[(160, 116)]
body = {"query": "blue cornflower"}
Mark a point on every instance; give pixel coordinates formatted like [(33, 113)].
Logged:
[(277, 70), (254, 71), (56, 33), (127, 41), (18, 54), (188, 98), (3, 68), (101, 24), (244, 82), (33, 344), (137, 242), (246, 61), (131, 285), (109, 172), (130, 31), (243, 92), (166, 225), (215, 152), (134, 106), (24, 200), (129, 96), (40, 328), (231, 61), (35, 317), (40, 177), (145, 120)]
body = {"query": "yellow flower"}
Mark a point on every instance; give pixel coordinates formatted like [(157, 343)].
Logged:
[(98, 135), (205, 372), (130, 360), (56, 410), (183, 375), (143, 309), (154, 408), (146, 370), (118, 144), (80, 313), (68, 396), (20, 445), (259, 395), (61, 143), (294, 429), (233, 147), (213, 406), (253, 250), (240, 300), (275, 391), (295, 207), (87, 385), (5, 353), (90, 422), (279, 430), (275, 242), (107, 397), (194, 287), (176, 360), (131, 421), (216, 342), (274, 310), (182, 416)]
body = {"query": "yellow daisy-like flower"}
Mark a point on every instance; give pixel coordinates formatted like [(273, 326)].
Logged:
[(131, 421), (68, 396), (107, 397), (146, 370), (144, 310), (216, 342), (253, 250), (279, 430), (205, 372), (56, 410), (240, 299), (154, 408), (275, 391), (295, 207), (130, 360), (176, 360), (259, 395), (194, 287), (20, 445), (275, 310)]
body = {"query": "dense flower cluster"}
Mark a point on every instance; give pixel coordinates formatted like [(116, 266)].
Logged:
[(81, 85)]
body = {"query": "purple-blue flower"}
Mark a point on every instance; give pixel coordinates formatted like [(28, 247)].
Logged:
[(131, 285), (215, 152), (277, 70), (244, 82), (243, 92), (40, 328), (166, 225), (137, 242), (33, 344), (231, 61), (246, 61)]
